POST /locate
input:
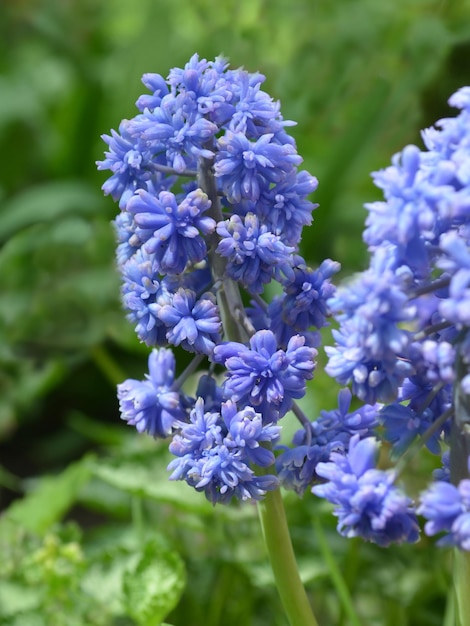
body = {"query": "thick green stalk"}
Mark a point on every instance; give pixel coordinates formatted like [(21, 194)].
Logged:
[(283, 564), (461, 579), (271, 510)]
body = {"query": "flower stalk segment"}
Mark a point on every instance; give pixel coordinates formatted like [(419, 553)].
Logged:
[(228, 292), (461, 576), (283, 563), (271, 509)]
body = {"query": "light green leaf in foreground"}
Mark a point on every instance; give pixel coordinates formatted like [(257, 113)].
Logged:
[(154, 586)]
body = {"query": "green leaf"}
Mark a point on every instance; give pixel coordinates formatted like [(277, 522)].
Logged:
[(16, 599), (47, 202), (46, 505), (146, 479), (153, 587)]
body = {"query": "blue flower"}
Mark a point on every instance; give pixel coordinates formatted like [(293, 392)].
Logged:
[(456, 307), (245, 168), (284, 207), (424, 405), (177, 228), (215, 450), (350, 362), (264, 376), (408, 216), (210, 392), (157, 85), (402, 425), (371, 344), (130, 163), (206, 87), (254, 253), (305, 304), (191, 322), (140, 290), (151, 405), (246, 431), (255, 111), (331, 432), (443, 473), (177, 135), (124, 227), (275, 321), (367, 503), (447, 509)]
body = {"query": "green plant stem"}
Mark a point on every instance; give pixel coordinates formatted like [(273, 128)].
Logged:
[(281, 555), (461, 585)]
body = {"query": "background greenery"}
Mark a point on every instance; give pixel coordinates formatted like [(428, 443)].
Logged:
[(92, 532)]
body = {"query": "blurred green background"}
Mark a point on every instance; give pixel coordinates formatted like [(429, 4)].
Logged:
[(360, 77)]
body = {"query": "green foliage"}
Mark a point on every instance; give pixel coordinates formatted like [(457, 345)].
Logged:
[(152, 589), (99, 538)]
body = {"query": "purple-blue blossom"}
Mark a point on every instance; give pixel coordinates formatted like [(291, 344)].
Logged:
[(157, 85), (129, 162), (191, 322), (331, 432), (215, 451), (151, 405), (446, 508), (141, 288), (305, 304), (418, 405), (284, 207), (456, 307), (245, 168), (177, 227), (254, 253), (372, 342), (367, 502), (265, 376)]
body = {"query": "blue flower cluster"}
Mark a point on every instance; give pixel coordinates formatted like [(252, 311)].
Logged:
[(212, 207), (402, 336), (447, 509), (368, 504), (212, 210), (331, 432)]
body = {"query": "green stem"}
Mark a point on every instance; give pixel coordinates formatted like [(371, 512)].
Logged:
[(461, 585), (281, 555)]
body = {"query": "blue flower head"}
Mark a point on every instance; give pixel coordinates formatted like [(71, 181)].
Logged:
[(331, 432), (140, 290), (367, 503), (305, 304), (151, 405), (254, 254), (265, 376), (177, 228), (447, 509), (212, 200), (129, 163), (191, 322), (284, 207), (245, 168), (215, 452)]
